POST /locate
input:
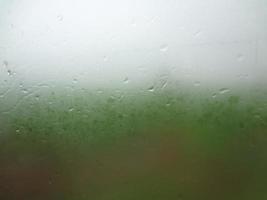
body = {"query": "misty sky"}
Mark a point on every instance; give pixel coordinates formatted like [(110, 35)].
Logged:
[(133, 42)]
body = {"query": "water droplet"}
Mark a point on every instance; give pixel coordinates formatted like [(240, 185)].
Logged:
[(196, 83), (105, 58), (9, 72), (126, 80), (37, 97), (99, 91), (75, 80), (214, 95), (224, 90), (60, 18), (182, 28), (133, 23), (142, 68), (151, 89), (164, 48), (17, 131), (197, 34), (71, 109), (5, 63), (240, 57), (165, 83), (152, 20), (25, 91), (257, 116)]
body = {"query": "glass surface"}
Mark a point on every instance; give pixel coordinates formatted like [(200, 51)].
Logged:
[(133, 100)]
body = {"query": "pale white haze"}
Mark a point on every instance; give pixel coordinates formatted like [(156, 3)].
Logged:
[(108, 43)]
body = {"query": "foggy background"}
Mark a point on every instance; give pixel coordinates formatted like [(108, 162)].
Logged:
[(126, 42)]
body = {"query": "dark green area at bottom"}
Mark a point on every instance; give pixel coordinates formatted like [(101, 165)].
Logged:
[(131, 146)]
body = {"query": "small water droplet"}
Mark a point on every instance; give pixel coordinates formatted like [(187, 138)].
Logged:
[(50, 182), (240, 57), (37, 97), (182, 28), (75, 80), (126, 80), (17, 131), (133, 23), (5, 63), (71, 109), (60, 18), (99, 91), (257, 116), (164, 48), (6, 66), (142, 69), (105, 58), (25, 91), (196, 83), (152, 20), (151, 89), (224, 90), (164, 85), (9, 72), (197, 34), (214, 95)]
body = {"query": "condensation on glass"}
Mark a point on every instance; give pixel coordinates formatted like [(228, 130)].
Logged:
[(128, 99)]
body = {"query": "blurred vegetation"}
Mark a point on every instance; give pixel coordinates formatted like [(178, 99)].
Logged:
[(135, 145)]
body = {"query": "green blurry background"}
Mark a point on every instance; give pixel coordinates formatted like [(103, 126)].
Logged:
[(135, 145)]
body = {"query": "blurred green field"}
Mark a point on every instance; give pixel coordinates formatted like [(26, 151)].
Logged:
[(110, 145)]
